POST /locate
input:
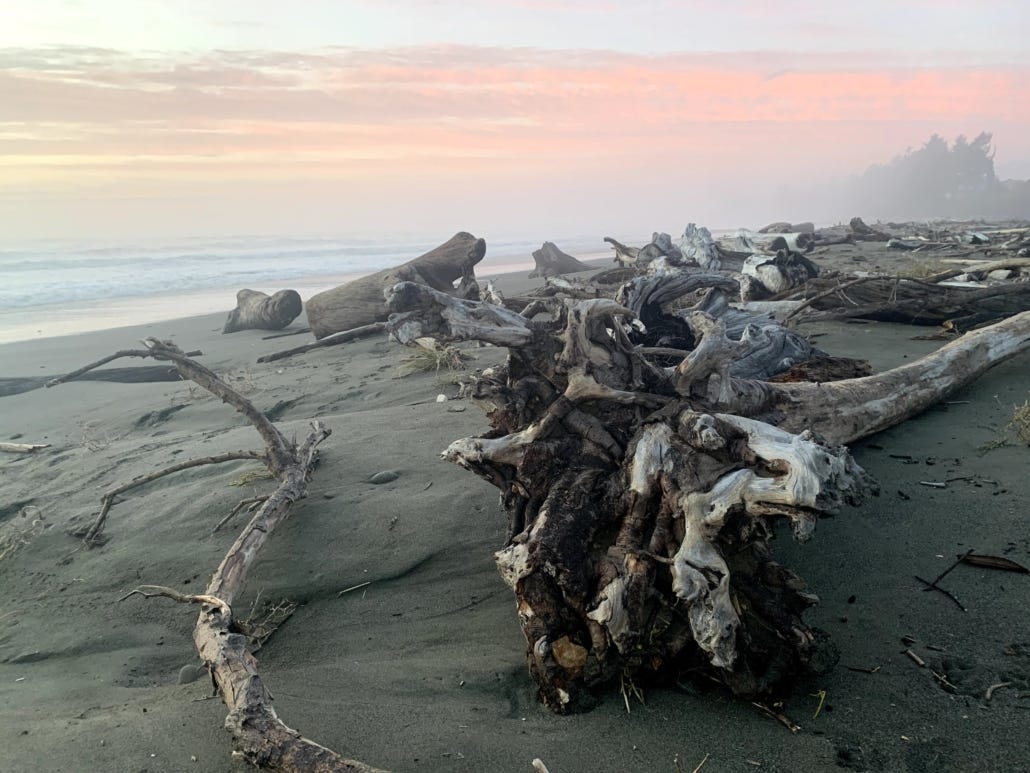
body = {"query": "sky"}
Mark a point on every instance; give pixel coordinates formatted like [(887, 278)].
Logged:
[(123, 119)]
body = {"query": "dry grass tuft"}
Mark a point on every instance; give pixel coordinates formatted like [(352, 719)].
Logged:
[(21, 530), (444, 359), (1016, 432), (264, 620), (921, 269), (251, 476)]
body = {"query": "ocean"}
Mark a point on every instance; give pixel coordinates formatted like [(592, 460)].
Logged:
[(58, 287)]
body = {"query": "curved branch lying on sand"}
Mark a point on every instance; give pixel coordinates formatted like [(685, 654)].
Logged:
[(259, 736)]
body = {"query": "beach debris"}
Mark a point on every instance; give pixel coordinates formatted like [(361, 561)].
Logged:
[(934, 586), (360, 303), (259, 311), (993, 562), (551, 261), (933, 483), (641, 478), (259, 736), (821, 695), (385, 476), (989, 692), (934, 299), (359, 586), (344, 336), (22, 448), (863, 670), (286, 334), (539, 766), (766, 276), (775, 712), (915, 658)]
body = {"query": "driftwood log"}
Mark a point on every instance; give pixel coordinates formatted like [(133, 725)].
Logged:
[(551, 261), (361, 302), (260, 311), (914, 301), (142, 375), (260, 738), (641, 499)]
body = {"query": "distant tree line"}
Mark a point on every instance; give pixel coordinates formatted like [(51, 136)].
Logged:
[(941, 181)]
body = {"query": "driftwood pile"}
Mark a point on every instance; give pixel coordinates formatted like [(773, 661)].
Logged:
[(361, 302), (642, 496), (648, 440)]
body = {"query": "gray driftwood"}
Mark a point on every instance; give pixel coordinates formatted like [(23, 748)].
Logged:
[(260, 738), (551, 261), (361, 302), (641, 498), (260, 311)]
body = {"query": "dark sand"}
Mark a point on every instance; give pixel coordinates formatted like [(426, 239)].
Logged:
[(423, 669)]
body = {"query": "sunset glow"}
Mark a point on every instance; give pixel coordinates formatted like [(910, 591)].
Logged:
[(333, 127)]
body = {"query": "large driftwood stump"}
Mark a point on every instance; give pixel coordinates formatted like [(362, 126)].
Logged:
[(260, 311), (551, 261), (641, 499), (361, 302)]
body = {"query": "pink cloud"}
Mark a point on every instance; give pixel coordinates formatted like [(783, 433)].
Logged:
[(454, 109)]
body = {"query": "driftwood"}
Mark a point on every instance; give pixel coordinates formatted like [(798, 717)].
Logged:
[(22, 448), (342, 337), (641, 499), (259, 736), (259, 311), (912, 301), (143, 375), (696, 247), (783, 227), (551, 261), (361, 302), (764, 276)]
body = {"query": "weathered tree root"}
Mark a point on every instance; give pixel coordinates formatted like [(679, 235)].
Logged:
[(641, 500), (259, 736)]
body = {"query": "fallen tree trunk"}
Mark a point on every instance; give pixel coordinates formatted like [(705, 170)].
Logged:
[(361, 302), (641, 499), (259, 311)]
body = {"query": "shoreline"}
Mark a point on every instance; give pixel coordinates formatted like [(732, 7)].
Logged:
[(37, 323)]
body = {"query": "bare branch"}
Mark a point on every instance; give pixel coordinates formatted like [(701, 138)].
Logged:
[(93, 532)]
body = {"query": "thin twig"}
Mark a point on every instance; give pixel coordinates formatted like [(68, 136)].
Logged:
[(330, 340), (149, 591), (354, 587), (91, 534), (931, 586), (239, 506), (990, 690)]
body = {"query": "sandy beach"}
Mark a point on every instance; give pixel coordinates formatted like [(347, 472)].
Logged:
[(422, 666)]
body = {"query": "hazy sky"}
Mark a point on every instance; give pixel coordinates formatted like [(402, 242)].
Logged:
[(534, 118)]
